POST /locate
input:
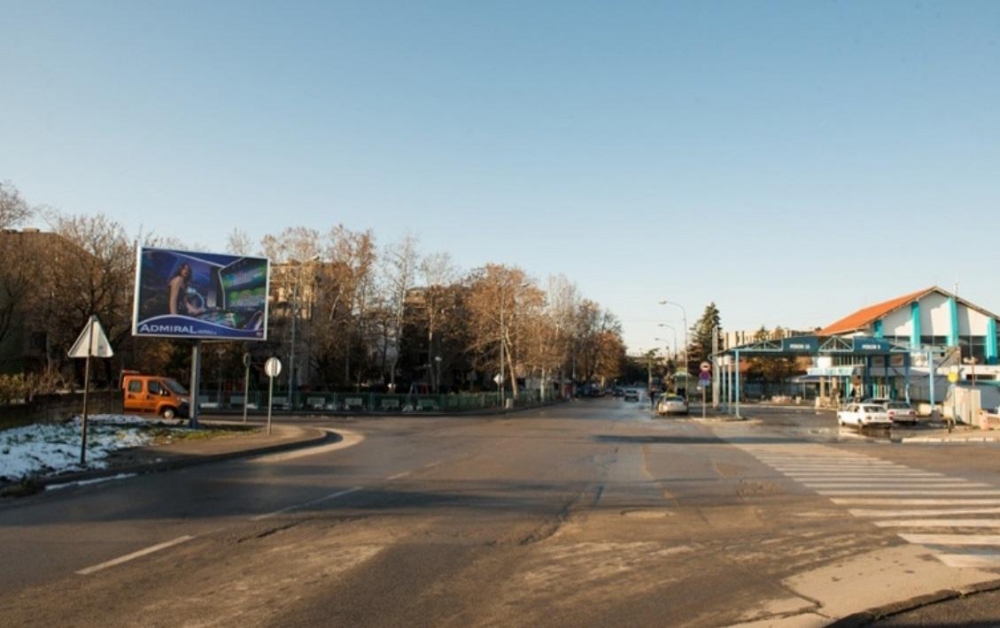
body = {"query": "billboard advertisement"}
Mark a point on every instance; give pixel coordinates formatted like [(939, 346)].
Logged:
[(204, 296)]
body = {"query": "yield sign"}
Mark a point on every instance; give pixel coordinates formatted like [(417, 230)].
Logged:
[(92, 342)]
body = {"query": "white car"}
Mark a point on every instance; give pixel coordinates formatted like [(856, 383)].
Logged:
[(863, 415), (631, 394), (671, 404), (901, 412)]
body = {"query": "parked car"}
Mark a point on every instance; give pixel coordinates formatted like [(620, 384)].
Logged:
[(631, 394), (671, 404), (900, 412), (154, 394), (863, 415), (619, 392)]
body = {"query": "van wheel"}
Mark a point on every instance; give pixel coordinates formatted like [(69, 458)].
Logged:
[(168, 413)]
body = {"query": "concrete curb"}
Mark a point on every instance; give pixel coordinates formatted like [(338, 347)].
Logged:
[(874, 615), (309, 437)]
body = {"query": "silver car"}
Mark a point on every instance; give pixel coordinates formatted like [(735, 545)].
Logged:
[(671, 404), (863, 414)]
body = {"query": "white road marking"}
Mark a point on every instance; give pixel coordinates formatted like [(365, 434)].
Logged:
[(923, 513), (348, 439), (928, 492), (970, 560), (399, 475), (858, 480), (134, 555), (865, 501), (939, 523), (835, 485), (953, 539), (306, 504)]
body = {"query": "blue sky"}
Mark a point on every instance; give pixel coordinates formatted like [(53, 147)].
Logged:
[(788, 161)]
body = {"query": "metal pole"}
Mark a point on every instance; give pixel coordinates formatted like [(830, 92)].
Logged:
[(291, 354), (270, 396), (86, 390), (736, 368), (246, 385), (195, 384), (500, 388), (684, 319)]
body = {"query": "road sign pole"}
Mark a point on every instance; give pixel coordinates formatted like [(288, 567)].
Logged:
[(272, 368), (270, 395), (86, 391), (246, 385)]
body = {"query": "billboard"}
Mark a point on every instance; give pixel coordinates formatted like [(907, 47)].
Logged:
[(183, 294)]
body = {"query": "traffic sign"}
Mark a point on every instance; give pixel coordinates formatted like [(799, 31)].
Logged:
[(706, 367), (272, 368), (92, 342)]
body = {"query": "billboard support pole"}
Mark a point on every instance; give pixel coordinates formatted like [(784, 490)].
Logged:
[(195, 382)]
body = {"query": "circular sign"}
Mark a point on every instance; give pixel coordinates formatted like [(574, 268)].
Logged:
[(706, 367), (272, 367), (952, 377)]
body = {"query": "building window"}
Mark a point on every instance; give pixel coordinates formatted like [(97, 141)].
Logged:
[(973, 347), (938, 341)]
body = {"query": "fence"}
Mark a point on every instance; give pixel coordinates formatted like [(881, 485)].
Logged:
[(375, 403), (59, 407)]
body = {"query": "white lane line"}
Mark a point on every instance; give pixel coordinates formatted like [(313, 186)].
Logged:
[(432, 465), (348, 439), (923, 513), (945, 492), (939, 523), (882, 475), (969, 560), (864, 501), (306, 504), (843, 486), (952, 539), (134, 555), (399, 475)]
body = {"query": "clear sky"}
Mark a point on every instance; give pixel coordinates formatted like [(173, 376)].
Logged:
[(789, 161)]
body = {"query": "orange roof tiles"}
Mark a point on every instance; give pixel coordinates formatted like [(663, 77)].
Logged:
[(866, 316)]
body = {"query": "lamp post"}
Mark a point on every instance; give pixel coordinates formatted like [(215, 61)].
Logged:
[(684, 318), (671, 328)]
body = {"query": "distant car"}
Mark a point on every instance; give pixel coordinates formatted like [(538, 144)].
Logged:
[(619, 392), (900, 412), (863, 415), (671, 404), (631, 394)]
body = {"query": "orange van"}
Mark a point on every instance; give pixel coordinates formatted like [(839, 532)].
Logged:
[(154, 394)]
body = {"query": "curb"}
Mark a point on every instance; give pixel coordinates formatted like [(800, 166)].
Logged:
[(874, 615), (311, 438)]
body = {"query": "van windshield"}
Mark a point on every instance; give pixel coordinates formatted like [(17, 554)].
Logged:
[(175, 387)]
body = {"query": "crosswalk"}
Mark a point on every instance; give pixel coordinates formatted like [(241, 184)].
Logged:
[(954, 518)]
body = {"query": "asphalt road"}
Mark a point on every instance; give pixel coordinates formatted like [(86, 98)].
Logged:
[(591, 513)]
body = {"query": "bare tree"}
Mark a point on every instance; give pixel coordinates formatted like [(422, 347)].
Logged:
[(238, 243), (498, 302), (89, 270), (14, 210), (400, 263), (347, 297), (438, 309)]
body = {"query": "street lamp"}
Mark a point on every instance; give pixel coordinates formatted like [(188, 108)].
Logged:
[(684, 318), (671, 328)]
